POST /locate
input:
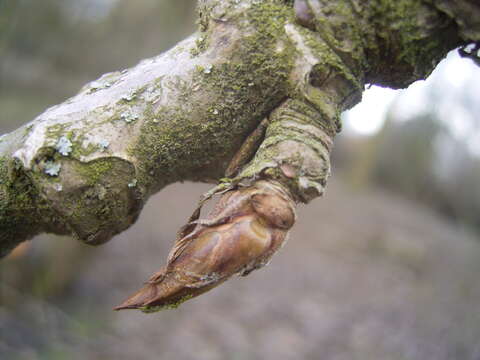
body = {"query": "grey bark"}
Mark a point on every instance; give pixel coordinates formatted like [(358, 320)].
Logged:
[(87, 166)]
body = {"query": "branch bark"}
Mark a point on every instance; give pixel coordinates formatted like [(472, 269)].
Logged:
[(86, 167)]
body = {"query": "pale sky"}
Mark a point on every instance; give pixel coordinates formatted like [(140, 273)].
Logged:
[(368, 116)]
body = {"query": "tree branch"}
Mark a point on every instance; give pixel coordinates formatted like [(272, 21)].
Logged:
[(87, 166)]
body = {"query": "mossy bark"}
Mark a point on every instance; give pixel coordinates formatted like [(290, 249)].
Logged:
[(87, 166)]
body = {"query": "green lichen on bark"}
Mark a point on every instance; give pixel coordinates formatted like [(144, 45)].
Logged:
[(95, 171), (17, 206), (411, 38), (465, 13), (243, 89), (92, 199)]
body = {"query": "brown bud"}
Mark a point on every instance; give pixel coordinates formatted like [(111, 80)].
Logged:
[(241, 234)]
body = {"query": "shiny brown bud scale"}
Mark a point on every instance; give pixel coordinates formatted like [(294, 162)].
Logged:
[(247, 226)]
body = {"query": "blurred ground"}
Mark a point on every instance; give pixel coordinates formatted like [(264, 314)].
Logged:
[(365, 275), (368, 273)]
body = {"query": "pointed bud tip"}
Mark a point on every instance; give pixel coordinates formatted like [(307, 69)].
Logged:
[(153, 306), (139, 299), (166, 294)]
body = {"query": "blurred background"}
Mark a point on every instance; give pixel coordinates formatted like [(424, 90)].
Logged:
[(384, 267)]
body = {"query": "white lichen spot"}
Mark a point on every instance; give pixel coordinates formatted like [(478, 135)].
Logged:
[(98, 85), (128, 116), (101, 193), (95, 85), (129, 97), (64, 146), (104, 144), (215, 112), (58, 187), (51, 168), (132, 184), (469, 48), (280, 47), (208, 69), (251, 84), (155, 121)]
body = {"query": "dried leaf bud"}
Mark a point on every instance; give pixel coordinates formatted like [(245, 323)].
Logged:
[(240, 235)]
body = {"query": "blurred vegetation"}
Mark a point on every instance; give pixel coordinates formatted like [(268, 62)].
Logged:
[(422, 160), (432, 155)]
